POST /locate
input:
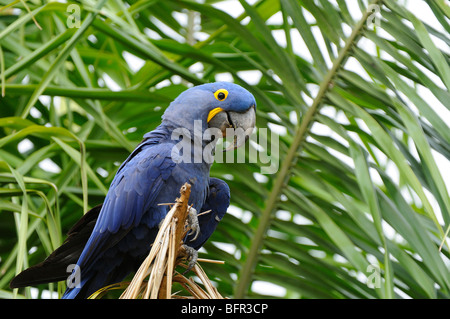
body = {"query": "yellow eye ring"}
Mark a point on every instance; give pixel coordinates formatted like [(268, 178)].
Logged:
[(221, 94)]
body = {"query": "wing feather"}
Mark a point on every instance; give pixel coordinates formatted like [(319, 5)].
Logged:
[(132, 192)]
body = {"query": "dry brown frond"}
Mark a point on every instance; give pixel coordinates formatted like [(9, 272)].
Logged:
[(165, 255)]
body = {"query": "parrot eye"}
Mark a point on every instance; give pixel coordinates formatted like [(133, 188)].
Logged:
[(221, 94)]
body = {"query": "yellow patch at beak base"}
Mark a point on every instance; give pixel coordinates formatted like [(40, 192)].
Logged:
[(213, 113)]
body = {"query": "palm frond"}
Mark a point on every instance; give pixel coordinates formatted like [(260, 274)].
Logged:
[(355, 97)]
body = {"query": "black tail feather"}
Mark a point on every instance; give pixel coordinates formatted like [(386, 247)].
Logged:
[(54, 267)]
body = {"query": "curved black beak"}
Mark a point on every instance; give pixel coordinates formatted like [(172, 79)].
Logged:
[(242, 125)]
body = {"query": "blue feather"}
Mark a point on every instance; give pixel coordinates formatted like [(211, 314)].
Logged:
[(128, 221)]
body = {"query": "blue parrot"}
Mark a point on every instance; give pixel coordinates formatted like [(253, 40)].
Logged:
[(112, 239)]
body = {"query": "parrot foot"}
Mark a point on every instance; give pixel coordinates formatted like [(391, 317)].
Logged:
[(192, 220), (192, 256)]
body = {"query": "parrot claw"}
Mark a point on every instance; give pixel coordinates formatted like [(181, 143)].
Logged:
[(193, 222), (192, 256)]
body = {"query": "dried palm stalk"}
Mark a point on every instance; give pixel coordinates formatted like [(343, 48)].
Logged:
[(167, 252)]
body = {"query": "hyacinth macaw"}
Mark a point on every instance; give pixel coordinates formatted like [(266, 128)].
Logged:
[(112, 239)]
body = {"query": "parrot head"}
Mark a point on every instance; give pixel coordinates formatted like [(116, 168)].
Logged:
[(219, 105)]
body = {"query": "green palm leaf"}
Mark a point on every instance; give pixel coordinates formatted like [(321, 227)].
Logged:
[(355, 96)]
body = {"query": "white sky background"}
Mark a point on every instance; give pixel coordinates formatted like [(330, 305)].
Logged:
[(234, 8)]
